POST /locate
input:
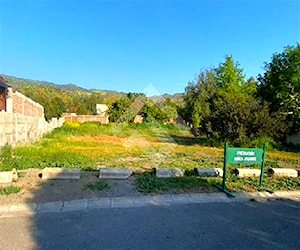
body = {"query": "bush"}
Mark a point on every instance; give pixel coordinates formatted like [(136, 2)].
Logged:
[(241, 122)]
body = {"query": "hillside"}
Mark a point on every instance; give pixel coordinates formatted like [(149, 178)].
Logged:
[(19, 83), (58, 99)]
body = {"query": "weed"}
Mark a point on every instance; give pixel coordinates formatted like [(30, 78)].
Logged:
[(149, 183), (236, 183), (9, 190), (99, 185), (6, 152)]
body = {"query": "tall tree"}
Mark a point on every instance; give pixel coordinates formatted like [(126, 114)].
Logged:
[(280, 85), (230, 77), (198, 97), (221, 105)]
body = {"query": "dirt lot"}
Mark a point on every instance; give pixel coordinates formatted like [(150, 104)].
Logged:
[(34, 189)]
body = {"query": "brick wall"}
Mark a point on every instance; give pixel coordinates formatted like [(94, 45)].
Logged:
[(20, 104), (85, 118)]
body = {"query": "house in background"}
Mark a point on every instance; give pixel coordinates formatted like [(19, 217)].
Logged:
[(3, 94), (101, 109)]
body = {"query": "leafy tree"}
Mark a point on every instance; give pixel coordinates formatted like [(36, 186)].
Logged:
[(168, 107), (125, 109), (198, 98), (229, 76), (151, 113), (231, 80), (280, 85), (221, 105), (241, 121)]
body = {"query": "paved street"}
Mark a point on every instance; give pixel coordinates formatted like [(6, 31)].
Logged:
[(267, 224)]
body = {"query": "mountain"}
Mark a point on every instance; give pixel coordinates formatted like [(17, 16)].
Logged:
[(17, 83), (58, 99)]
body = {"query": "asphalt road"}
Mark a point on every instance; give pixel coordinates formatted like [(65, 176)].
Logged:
[(271, 224)]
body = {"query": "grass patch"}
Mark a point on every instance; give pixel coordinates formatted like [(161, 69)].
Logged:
[(235, 183), (9, 190), (97, 186), (149, 183)]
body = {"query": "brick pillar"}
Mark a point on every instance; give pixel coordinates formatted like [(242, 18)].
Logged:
[(9, 101)]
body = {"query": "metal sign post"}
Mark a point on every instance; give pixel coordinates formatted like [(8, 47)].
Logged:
[(242, 156)]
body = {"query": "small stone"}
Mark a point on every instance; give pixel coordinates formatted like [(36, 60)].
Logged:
[(211, 172)]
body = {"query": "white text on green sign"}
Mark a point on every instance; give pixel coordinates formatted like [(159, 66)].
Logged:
[(244, 155)]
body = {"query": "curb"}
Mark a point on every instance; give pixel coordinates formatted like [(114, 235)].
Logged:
[(32, 209)]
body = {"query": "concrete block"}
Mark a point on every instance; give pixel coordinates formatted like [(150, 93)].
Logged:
[(61, 173), (283, 172), (247, 172), (169, 172), (114, 173), (8, 176), (213, 172)]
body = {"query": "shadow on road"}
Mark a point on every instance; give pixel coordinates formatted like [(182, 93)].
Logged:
[(268, 224)]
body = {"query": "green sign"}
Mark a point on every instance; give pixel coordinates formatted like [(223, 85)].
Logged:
[(244, 155)]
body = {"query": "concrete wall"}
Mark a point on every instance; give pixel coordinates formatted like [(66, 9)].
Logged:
[(85, 118), (18, 128), (295, 138)]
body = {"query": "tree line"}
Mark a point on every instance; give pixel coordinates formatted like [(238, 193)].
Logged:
[(222, 105)]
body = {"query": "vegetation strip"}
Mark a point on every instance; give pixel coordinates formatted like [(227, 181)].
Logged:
[(141, 147), (12, 189)]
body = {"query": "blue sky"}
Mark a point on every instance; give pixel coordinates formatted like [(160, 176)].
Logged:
[(152, 46)]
